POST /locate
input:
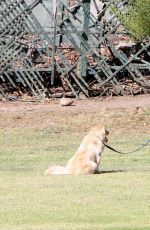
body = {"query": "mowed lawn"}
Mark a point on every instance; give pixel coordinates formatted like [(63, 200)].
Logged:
[(119, 198)]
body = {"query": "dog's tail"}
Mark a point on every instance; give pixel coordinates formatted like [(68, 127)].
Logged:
[(55, 170)]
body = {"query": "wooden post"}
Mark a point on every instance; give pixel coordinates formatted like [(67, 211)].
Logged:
[(54, 40), (61, 14), (85, 26)]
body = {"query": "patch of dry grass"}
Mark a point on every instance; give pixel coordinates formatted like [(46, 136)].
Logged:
[(115, 200)]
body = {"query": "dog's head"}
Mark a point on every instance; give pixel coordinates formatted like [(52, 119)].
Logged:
[(101, 132)]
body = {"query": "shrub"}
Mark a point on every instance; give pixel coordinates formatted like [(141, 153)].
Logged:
[(136, 17)]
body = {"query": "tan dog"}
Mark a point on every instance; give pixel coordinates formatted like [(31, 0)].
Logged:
[(87, 158)]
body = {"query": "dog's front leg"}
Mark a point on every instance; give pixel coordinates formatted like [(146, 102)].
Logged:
[(97, 171)]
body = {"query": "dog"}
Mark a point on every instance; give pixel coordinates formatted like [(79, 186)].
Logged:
[(87, 158)]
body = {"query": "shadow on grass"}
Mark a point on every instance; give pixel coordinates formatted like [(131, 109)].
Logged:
[(112, 171), (123, 170)]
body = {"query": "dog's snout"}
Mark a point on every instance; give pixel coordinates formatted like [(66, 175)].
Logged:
[(107, 132), (106, 139)]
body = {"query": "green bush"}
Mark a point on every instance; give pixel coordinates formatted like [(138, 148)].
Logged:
[(136, 18)]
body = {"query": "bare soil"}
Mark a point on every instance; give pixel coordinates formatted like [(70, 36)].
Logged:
[(127, 112)]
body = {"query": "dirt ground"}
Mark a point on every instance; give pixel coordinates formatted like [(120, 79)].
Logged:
[(43, 114)]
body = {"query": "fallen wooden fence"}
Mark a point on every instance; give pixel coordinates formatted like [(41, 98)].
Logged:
[(82, 52)]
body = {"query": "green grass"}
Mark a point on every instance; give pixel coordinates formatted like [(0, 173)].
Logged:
[(29, 200)]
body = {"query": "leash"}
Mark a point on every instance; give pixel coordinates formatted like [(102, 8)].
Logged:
[(136, 150)]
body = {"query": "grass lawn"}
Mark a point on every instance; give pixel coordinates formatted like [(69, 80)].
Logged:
[(113, 200)]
